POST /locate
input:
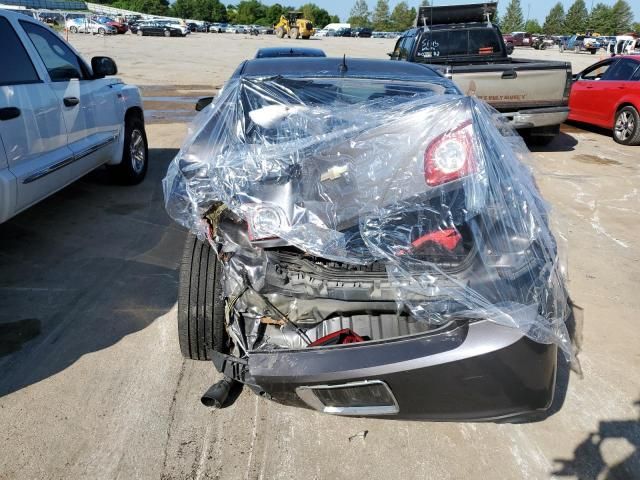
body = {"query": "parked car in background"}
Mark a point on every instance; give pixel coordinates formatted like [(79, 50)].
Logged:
[(343, 32), (607, 94), (532, 94), (234, 29), (120, 27), (542, 42), (218, 27), (522, 39), (175, 24), (85, 25), (203, 27), (624, 45), (277, 52), (582, 43), (508, 43), (265, 30), (154, 28), (61, 118), (321, 33), (362, 32)]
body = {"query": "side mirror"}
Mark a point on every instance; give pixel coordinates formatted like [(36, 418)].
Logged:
[(203, 103), (576, 77), (103, 66)]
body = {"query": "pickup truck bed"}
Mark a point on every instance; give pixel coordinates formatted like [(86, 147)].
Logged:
[(532, 94), (529, 93)]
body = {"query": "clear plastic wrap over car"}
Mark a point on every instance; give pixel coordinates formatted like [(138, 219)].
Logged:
[(428, 186)]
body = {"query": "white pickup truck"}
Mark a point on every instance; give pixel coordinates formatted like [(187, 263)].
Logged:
[(59, 117)]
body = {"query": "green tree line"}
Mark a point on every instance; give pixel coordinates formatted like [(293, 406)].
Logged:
[(382, 18), (251, 12), (604, 19)]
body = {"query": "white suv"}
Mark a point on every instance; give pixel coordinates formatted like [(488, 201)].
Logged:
[(60, 118)]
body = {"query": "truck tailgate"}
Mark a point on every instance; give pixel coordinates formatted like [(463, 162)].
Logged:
[(515, 85)]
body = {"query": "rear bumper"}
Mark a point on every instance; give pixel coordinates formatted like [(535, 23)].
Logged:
[(478, 371), (537, 117)]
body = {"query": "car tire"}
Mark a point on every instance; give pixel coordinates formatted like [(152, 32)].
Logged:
[(101, 31), (73, 29), (576, 49), (201, 301), (167, 33), (592, 52), (140, 33), (626, 126), (135, 154)]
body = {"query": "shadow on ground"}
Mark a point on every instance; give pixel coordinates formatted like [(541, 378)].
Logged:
[(589, 462), (562, 142), (83, 269)]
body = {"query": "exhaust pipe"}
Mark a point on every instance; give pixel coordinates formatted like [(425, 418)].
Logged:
[(217, 394)]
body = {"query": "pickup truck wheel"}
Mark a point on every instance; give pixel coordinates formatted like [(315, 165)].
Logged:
[(73, 29), (626, 129), (135, 155), (201, 301)]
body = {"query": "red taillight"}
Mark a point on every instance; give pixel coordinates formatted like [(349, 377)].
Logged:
[(449, 157)]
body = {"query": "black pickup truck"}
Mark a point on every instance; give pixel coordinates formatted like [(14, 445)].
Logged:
[(469, 49)]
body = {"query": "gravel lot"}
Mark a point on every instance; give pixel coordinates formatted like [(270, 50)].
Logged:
[(92, 384)]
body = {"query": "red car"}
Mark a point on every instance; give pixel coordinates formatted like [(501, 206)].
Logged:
[(607, 94), (120, 27)]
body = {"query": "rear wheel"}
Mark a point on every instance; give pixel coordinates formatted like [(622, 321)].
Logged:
[(201, 301), (280, 32), (101, 31), (167, 33), (294, 33), (626, 129)]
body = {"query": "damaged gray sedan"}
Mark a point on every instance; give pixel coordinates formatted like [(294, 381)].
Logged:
[(366, 241)]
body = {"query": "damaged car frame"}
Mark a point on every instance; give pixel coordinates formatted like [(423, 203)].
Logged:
[(366, 241)]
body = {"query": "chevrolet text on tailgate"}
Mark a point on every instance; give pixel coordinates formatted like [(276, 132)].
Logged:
[(532, 94), (59, 117)]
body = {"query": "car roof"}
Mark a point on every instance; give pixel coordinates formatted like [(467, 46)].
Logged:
[(270, 52), (333, 67)]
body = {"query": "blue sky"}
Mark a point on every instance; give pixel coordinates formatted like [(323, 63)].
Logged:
[(538, 8)]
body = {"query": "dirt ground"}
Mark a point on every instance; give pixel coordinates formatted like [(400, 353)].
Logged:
[(92, 383)]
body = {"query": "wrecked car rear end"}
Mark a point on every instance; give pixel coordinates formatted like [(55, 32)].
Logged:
[(384, 250)]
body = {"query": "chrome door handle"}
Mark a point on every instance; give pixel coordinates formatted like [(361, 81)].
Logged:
[(71, 101)]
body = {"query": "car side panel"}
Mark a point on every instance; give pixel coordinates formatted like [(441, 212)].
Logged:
[(586, 101), (35, 142), (7, 187)]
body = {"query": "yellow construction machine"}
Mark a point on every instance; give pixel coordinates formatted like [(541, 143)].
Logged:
[(294, 26)]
